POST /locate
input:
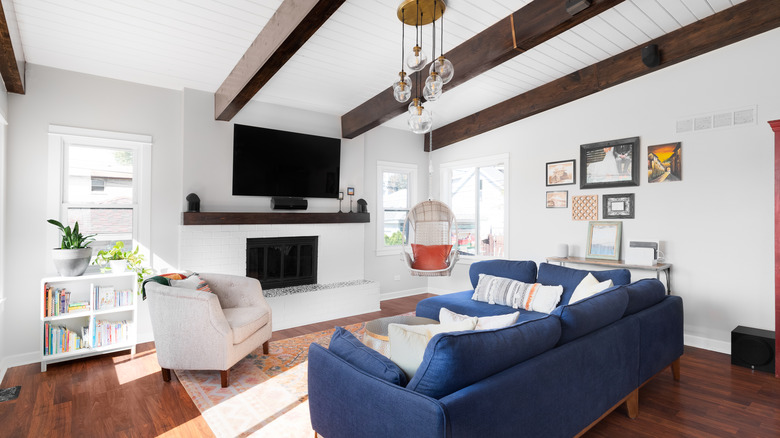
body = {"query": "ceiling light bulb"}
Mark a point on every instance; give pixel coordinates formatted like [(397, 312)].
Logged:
[(417, 59), (433, 86), (402, 88), (421, 121), (444, 68)]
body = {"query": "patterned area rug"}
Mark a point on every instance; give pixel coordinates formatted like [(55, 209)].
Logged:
[(267, 396)]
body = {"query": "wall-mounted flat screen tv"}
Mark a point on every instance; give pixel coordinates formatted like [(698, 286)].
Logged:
[(267, 162)]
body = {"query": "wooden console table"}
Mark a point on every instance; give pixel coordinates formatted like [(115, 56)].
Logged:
[(613, 264)]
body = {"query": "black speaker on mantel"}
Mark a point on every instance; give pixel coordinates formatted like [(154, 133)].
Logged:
[(288, 203), (753, 348)]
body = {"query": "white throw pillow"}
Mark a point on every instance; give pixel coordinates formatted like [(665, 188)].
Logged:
[(539, 298), (408, 342), (589, 286), (447, 316)]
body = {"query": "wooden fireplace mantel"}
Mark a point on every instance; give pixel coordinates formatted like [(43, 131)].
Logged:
[(249, 218)]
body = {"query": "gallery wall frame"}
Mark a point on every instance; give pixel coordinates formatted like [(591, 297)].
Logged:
[(664, 162), (557, 199), (604, 240), (561, 173), (613, 163), (618, 206)]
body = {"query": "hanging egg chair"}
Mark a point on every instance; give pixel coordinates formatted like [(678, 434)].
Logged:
[(427, 249)]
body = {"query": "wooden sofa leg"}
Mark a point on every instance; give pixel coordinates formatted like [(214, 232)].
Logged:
[(225, 378), (266, 344), (166, 374), (676, 369), (632, 404)]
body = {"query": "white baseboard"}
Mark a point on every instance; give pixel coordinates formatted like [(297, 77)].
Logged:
[(436, 291), (403, 293), (18, 360), (707, 344)]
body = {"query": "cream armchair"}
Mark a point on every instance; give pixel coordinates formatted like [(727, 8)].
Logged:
[(196, 330)]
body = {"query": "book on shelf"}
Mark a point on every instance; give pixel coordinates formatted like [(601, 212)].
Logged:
[(58, 339), (109, 333), (57, 301)]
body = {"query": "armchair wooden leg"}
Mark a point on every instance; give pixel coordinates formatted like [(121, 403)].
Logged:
[(632, 404), (225, 378), (676, 369), (265, 348), (166, 374)]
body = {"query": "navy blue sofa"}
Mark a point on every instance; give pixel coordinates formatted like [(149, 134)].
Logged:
[(545, 376)]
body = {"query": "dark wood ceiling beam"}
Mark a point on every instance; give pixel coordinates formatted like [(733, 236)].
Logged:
[(290, 27), (526, 28), (736, 23), (11, 69)]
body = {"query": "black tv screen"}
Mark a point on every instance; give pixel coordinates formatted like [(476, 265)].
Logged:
[(267, 162)]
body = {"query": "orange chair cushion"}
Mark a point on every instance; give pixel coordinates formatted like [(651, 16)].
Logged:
[(430, 257)]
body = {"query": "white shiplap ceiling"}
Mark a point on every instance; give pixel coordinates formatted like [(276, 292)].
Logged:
[(352, 57)]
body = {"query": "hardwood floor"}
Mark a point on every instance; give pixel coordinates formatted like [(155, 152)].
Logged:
[(114, 396)]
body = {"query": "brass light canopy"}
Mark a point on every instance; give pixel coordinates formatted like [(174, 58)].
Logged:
[(431, 11)]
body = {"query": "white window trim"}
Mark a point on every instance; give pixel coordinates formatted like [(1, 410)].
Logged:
[(62, 136), (445, 173), (381, 168)]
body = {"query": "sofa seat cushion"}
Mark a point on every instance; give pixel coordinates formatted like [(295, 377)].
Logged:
[(245, 321), (571, 278), (461, 302), (456, 360), (643, 294), (524, 271), (590, 314), (346, 346)]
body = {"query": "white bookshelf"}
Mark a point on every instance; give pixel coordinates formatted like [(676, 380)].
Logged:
[(82, 289)]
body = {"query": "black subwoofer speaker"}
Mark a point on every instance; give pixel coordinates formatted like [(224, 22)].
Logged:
[(753, 348), (651, 56)]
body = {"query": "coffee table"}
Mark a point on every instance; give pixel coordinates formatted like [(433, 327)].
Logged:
[(376, 331)]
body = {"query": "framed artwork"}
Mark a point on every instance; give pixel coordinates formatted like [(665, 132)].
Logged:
[(664, 162), (558, 199), (613, 163), (561, 173), (618, 206), (604, 240), (585, 208)]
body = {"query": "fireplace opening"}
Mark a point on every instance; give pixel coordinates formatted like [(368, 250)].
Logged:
[(282, 261)]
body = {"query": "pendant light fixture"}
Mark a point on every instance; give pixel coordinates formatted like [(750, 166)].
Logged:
[(419, 13)]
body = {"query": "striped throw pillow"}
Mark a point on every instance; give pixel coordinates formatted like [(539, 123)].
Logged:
[(498, 290)]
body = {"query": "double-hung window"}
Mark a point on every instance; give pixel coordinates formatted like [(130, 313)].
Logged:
[(396, 189), (103, 184), (476, 191)]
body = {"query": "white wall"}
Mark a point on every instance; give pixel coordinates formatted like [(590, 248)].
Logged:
[(716, 225), (384, 144), (3, 141), (72, 99)]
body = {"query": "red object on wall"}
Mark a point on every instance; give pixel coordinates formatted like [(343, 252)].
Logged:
[(775, 124)]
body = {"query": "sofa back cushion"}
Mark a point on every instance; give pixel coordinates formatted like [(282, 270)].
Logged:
[(346, 346), (590, 314), (643, 294), (455, 360), (570, 278), (524, 271)]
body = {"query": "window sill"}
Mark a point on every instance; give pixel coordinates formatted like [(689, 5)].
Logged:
[(396, 251)]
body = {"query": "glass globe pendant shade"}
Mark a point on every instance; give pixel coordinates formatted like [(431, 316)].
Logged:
[(402, 88), (444, 68), (417, 59), (421, 121), (413, 106), (433, 85)]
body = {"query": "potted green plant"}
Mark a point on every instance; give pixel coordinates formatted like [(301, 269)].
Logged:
[(118, 260), (72, 257)]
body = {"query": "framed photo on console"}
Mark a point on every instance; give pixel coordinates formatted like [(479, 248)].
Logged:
[(604, 240), (618, 206), (613, 163), (560, 173)]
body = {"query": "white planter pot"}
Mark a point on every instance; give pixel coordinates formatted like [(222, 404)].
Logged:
[(71, 262), (117, 266)]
